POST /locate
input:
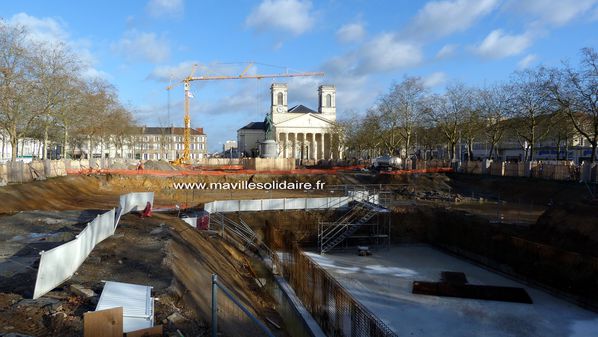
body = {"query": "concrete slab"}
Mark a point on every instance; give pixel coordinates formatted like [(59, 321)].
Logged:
[(383, 281)]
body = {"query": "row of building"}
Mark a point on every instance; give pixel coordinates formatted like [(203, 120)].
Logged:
[(298, 132), (145, 143)]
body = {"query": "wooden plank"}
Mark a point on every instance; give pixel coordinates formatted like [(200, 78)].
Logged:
[(103, 323), (155, 331)]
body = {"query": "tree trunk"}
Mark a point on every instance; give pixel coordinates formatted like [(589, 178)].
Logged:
[(14, 143), (64, 145), (45, 150), (593, 155), (88, 155)]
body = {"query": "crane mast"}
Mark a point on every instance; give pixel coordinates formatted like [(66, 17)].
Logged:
[(186, 157)]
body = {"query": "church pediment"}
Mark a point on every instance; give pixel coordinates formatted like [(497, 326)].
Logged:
[(306, 120)]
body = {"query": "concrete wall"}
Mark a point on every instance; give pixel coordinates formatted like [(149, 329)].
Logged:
[(21, 172), (269, 164)]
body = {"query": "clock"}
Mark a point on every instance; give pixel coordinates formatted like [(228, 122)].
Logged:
[(279, 109)]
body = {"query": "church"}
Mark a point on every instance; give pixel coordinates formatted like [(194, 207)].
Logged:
[(299, 131)]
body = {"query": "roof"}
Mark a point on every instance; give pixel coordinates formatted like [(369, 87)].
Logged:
[(136, 300), (254, 126), (173, 130), (301, 109)]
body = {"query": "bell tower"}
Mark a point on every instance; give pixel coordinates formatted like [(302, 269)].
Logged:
[(278, 93), (327, 101)]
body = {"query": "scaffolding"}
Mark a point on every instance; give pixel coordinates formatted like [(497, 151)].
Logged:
[(367, 221)]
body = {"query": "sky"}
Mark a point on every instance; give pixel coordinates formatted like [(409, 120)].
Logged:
[(362, 46)]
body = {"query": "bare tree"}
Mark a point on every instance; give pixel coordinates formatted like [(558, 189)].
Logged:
[(531, 109), (406, 103), (54, 67), (17, 84), (576, 93), (449, 112), (494, 107)]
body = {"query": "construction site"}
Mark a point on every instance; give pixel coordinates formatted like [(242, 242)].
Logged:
[(415, 254), (433, 174)]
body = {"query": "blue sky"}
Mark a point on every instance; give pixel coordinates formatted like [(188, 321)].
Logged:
[(362, 46)]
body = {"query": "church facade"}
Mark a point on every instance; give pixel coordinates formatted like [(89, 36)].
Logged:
[(301, 133)]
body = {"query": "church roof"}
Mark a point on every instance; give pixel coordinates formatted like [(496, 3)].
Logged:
[(301, 109), (254, 126)]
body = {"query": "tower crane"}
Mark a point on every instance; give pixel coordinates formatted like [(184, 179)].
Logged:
[(185, 158)]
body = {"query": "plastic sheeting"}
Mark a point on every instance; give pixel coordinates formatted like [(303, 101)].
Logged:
[(60, 263)]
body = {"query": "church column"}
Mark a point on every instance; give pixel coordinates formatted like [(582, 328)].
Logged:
[(318, 144), (312, 147), (304, 146), (293, 145), (283, 142)]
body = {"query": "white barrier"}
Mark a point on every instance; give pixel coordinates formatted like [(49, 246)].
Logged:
[(229, 206), (60, 263), (133, 202)]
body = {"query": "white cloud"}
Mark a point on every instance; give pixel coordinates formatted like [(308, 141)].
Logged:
[(386, 53), (53, 32), (527, 61), (41, 30), (443, 18), (499, 45), (351, 32), (135, 45), (292, 16), (434, 79), (552, 12), (446, 51), (160, 8)]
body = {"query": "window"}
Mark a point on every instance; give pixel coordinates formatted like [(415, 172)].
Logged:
[(280, 99), (329, 100)]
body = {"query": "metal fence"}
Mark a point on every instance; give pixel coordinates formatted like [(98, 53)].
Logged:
[(330, 304)]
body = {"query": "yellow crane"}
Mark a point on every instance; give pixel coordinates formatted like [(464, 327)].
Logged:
[(185, 158)]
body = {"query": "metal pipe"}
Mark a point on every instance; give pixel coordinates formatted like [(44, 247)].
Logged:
[(214, 305)]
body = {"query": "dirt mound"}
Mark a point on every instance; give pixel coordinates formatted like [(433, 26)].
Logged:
[(158, 165), (571, 226)]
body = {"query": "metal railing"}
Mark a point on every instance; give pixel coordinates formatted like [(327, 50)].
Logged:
[(331, 305)]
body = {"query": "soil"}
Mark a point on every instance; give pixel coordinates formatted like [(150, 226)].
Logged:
[(161, 251), (558, 250)]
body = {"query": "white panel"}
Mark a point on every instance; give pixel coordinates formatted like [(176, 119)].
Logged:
[(272, 204), (209, 207), (191, 221), (295, 203), (57, 265), (135, 201), (136, 301), (250, 205), (317, 203), (101, 227), (226, 206)]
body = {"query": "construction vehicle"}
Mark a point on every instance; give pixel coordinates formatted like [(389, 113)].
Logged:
[(186, 157)]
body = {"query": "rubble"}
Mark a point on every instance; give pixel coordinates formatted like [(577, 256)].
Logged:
[(79, 290)]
